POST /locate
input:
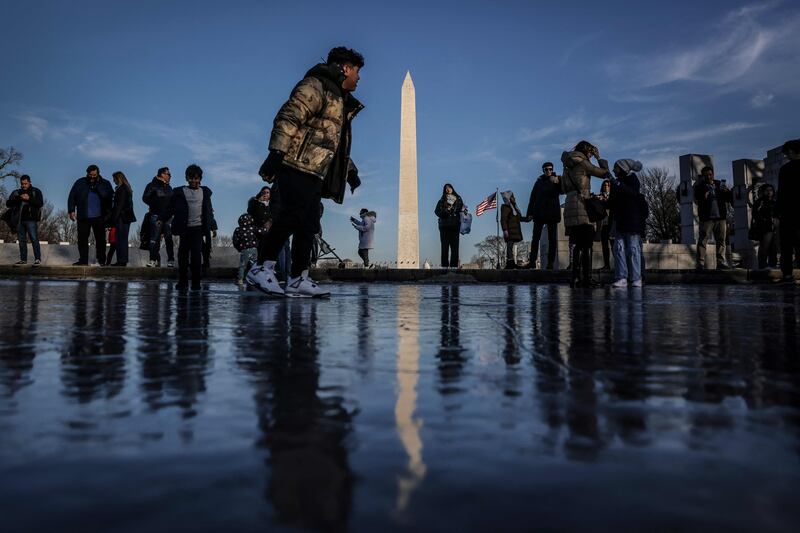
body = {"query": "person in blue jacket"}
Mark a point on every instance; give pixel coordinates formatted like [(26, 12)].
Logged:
[(89, 204)]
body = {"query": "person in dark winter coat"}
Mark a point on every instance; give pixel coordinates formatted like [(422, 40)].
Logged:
[(89, 203), (788, 213), (604, 226), (712, 199), (765, 226), (192, 214), (510, 219), (544, 209), (157, 195), (121, 217), (245, 240), (627, 223), (260, 209), (448, 210), (309, 159), (25, 205)]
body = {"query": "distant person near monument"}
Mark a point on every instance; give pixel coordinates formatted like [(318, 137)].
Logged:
[(366, 233), (544, 210), (712, 198), (89, 203), (510, 218), (788, 213), (576, 183), (25, 211), (157, 195), (309, 158), (765, 226), (448, 210)]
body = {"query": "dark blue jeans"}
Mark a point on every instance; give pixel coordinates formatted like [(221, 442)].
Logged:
[(156, 231), (28, 228), (122, 242)]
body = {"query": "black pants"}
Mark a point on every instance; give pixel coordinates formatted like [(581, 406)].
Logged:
[(363, 253), (582, 238), (207, 250), (297, 215), (605, 241), (190, 253), (552, 243), (449, 240), (790, 240), (98, 227)]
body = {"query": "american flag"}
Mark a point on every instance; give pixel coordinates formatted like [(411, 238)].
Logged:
[(488, 203)]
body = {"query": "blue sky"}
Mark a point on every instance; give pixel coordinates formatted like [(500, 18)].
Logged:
[(501, 87)]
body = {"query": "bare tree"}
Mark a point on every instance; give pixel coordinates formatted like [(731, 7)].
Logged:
[(9, 157), (64, 229), (659, 189), (491, 249)]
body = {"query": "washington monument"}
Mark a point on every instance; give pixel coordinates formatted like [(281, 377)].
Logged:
[(408, 218)]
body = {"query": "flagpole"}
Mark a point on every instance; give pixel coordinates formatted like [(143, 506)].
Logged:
[(497, 220)]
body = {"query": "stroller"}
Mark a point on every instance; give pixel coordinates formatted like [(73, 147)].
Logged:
[(323, 250)]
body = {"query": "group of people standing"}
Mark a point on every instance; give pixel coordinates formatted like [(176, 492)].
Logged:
[(185, 212)]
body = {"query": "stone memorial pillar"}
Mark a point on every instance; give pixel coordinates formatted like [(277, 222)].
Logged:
[(745, 173), (690, 167), (772, 165)]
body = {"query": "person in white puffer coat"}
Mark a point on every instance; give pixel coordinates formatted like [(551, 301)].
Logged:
[(366, 233)]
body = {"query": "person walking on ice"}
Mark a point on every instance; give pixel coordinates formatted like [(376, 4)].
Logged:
[(309, 158)]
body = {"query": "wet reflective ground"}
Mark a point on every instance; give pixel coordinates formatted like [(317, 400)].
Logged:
[(129, 407)]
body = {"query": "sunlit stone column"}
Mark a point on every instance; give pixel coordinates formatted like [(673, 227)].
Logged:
[(690, 167), (408, 211)]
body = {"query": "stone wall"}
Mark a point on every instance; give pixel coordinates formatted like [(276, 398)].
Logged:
[(66, 254)]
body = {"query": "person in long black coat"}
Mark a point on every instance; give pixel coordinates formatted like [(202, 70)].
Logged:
[(121, 217), (544, 209)]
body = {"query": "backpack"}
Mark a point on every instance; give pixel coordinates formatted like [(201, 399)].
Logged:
[(466, 222)]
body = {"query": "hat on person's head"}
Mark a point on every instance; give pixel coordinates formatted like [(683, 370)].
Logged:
[(548, 164), (629, 166)]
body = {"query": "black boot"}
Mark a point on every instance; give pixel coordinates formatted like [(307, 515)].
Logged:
[(586, 269), (576, 269)]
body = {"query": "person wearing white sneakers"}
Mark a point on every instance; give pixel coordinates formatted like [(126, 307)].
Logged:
[(626, 207), (309, 157)]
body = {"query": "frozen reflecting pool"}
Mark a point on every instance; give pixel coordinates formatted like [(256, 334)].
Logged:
[(131, 407)]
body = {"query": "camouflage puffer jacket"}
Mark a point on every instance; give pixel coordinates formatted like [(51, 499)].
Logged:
[(310, 126), (576, 183)]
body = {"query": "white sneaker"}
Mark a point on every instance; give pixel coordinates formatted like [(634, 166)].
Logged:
[(151, 264), (637, 283), (170, 264), (305, 287), (620, 283), (262, 277)]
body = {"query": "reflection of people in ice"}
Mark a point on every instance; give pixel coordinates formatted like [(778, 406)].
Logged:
[(450, 353), (92, 363), (18, 337), (310, 482), (174, 367)]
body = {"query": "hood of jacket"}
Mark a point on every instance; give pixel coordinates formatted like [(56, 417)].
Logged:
[(332, 77), (573, 158), (245, 220)]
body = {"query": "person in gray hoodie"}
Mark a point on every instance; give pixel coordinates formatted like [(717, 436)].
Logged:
[(366, 233)]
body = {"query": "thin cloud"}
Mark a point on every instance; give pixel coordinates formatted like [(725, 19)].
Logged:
[(34, 126), (762, 99), (730, 51), (97, 146)]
